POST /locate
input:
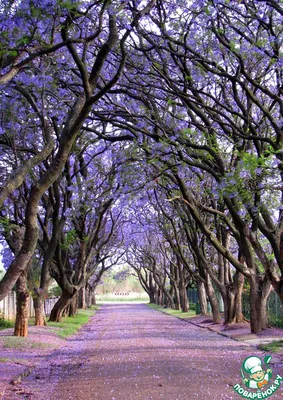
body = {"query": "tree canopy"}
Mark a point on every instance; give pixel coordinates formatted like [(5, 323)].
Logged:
[(147, 131)]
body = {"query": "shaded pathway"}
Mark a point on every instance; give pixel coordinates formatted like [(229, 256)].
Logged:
[(133, 352)]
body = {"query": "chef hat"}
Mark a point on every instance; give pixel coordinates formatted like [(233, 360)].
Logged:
[(252, 365)]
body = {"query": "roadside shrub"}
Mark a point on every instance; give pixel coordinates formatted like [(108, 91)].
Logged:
[(274, 320), (4, 324)]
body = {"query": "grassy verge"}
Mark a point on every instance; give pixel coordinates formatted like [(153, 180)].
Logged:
[(175, 313), (276, 346), (70, 325), (21, 343)]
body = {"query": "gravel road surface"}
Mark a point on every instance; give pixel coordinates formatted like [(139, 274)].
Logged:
[(131, 352)]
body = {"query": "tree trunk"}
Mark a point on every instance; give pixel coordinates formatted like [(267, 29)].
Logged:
[(38, 303), (169, 301), (226, 305), (239, 280), (60, 306), (259, 292), (176, 296), (156, 297), (151, 296), (232, 297), (73, 306), (82, 298), (230, 304), (87, 296), (183, 298), (213, 301), (21, 323), (161, 297), (93, 299), (202, 297)]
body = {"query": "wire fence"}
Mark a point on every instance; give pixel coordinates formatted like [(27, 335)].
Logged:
[(274, 305), (193, 296)]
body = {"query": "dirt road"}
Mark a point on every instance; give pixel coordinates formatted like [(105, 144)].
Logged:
[(135, 353)]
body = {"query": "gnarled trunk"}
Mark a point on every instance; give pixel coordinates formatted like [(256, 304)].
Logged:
[(59, 307), (233, 300), (259, 292), (73, 306), (169, 301)]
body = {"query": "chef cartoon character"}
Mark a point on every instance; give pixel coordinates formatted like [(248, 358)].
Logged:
[(258, 377)]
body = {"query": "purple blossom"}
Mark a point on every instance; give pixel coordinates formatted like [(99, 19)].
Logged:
[(232, 195), (275, 163), (258, 170), (7, 256), (245, 174)]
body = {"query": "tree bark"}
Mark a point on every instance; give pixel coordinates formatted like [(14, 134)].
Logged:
[(259, 292), (156, 297), (177, 297), (151, 297), (213, 301), (82, 298), (168, 299), (160, 297), (73, 306), (183, 298), (229, 304), (38, 303), (239, 280), (21, 323), (202, 297), (59, 307), (87, 296), (93, 299)]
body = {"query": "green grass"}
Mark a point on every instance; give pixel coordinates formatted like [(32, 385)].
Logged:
[(4, 324), (175, 313), (21, 343), (3, 360), (276, 346), (70, 325), (274, 320)]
